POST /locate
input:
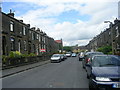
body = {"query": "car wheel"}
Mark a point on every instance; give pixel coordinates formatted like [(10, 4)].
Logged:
[(88, 76), (83, 67), (91, 87)]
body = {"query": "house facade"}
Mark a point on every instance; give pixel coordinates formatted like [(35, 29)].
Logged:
[(110, 37), (18, 36)]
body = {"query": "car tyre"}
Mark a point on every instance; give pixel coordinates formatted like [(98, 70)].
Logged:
[(83, 67), (88, 77), (91, 87)]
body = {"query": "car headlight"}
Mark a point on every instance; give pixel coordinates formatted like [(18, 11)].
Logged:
[(103, 79)]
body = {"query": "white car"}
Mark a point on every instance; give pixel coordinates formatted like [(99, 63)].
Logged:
[(73, 55), (68, 54), (56, 58)]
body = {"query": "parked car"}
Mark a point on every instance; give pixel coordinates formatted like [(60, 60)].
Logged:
[(103, 72), (62, 57), (74, 55), (81, 56), (56, 58), (68, 54), (65, 57), (88, 56)]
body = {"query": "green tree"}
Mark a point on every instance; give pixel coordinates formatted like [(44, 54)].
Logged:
[(67, 48), (105, 49)]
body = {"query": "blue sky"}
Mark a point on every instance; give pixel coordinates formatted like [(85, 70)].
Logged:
[(75, 21), (72, 16), (21, 8)]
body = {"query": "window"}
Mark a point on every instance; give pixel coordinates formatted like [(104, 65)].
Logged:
[(24, 31), (37, 36), (19, 46), (37, 49), (32, 36), (39, 46), (25, 45), (117, 31), (29, 31), (4, 45), (103, 61), (44, 39), (109, 33), (39, 39), (44, 47), (12, 43), (118, 46), (20, 31), (34, 48), (11, 26)]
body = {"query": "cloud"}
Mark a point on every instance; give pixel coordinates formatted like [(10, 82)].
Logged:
[(72, 33)]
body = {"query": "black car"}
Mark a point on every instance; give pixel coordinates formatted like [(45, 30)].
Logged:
[(103, 72), (88, 56)]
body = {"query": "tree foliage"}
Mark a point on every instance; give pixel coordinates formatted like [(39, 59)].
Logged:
[(67, 48), (105, 49)]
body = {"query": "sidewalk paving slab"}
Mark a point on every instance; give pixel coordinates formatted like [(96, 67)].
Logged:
[(11, 71)]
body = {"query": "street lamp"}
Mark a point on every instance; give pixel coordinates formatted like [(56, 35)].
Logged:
[(111, 34)]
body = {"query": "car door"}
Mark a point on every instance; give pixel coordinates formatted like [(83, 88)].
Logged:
[(89, 68)]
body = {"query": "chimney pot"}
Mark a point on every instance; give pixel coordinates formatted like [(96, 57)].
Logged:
[(21, 20)]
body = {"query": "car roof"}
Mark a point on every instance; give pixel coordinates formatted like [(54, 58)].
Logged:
[(92, 52), (56, 54), (108, 55)]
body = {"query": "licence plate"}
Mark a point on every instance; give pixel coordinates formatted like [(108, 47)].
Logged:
[(117, 85)]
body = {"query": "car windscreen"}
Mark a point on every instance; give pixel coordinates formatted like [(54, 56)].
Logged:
[(68, 53), (73, 54), (103, 61), (92, 54), (56, 56), (81, 54)]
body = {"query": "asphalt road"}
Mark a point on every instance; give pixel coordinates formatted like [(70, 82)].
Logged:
[(66, 74)]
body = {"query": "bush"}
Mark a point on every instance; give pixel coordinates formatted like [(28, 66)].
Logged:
[(15, 54), (25, 55), (105, 49), (32, 54), (4, 58)]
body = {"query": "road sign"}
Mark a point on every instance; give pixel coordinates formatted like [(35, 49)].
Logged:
[(42, 50)]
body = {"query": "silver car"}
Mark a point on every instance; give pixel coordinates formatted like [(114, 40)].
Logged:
[(56, 58)]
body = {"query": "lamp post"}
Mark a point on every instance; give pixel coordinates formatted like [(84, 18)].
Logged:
[(111, 34)]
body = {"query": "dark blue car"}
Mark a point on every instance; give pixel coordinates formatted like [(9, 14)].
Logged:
[(103, 72)]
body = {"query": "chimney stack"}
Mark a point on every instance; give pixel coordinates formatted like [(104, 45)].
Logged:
[(21, 20), (33, 28), (11, 14)]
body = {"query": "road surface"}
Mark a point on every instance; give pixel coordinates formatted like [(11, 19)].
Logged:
[(66, 74)]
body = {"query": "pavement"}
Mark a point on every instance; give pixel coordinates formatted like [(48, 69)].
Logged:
[(11, 71)]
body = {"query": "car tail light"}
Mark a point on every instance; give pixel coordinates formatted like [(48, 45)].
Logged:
[(88, 60)]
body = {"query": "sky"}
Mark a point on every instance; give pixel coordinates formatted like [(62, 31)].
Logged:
[(73, 21)]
